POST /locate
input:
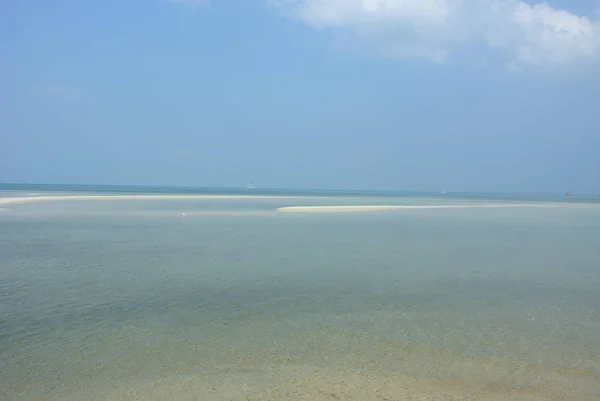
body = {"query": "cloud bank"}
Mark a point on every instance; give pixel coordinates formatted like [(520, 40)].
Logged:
[(521, 33)]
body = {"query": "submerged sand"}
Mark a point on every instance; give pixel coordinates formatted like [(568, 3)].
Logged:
[(386, 372)]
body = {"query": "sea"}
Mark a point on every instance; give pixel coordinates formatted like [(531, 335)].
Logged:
[(229, 299)]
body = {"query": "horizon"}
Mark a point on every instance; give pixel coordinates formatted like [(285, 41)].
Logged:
[(259, 189)]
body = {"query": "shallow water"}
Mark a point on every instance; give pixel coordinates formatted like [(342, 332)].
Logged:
[(131, 300)]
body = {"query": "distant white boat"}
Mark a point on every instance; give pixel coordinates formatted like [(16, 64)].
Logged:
[(443, 192), (183, 214), (250, 186)]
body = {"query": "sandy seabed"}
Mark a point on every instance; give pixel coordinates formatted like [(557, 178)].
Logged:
[(388, 372)]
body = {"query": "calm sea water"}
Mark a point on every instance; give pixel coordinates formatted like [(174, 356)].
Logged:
[(233, 301)]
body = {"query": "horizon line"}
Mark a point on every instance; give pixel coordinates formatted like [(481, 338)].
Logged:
[(258, 189)]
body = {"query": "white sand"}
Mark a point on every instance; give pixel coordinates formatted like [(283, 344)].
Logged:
[(287, 209), (37, 199), (373, 208)]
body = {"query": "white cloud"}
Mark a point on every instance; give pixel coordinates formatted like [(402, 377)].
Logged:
[(525, 34), (56, 92)]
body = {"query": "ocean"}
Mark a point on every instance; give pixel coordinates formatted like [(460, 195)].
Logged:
[(229, 299)]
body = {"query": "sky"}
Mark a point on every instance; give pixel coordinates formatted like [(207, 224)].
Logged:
[(462, 95)]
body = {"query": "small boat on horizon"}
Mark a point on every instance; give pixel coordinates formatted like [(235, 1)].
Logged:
[(251, 186)]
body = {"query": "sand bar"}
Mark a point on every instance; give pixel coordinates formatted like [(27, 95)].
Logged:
[(37, 199), (374, 208)]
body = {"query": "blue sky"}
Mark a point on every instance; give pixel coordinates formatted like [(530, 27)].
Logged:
[(487, 95)]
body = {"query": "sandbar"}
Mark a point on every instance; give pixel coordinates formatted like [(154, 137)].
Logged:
[(286, 209), (375, 208), (38, 199)]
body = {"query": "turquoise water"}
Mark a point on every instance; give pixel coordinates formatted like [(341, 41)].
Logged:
[(131, 300), (25, 189)]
